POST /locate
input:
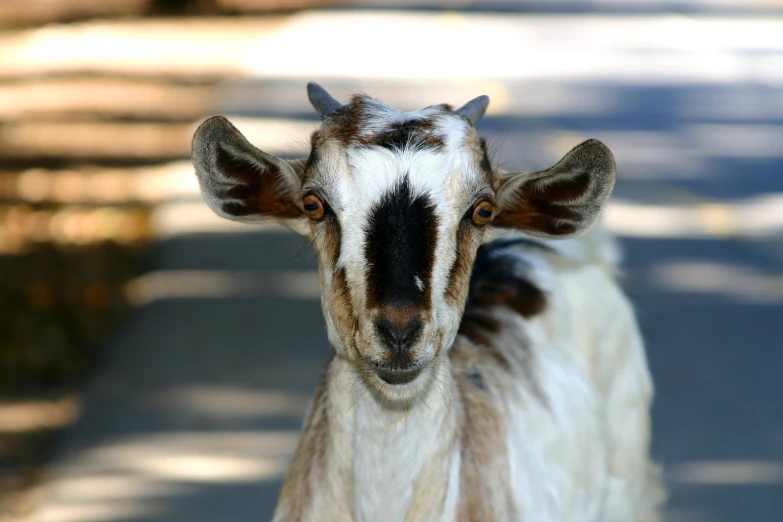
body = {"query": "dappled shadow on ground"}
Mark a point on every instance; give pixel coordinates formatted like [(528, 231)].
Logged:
[(713, 348), (195, 415)]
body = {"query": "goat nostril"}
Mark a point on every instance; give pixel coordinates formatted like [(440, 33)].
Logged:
[(397, 336)]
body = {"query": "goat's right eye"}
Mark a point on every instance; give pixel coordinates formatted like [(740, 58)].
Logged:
[(313, 206)]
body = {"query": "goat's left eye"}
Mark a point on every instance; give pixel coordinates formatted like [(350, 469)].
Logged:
[(482, 213), (313, 206)]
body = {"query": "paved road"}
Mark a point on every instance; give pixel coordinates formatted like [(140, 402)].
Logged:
[(195, 410)]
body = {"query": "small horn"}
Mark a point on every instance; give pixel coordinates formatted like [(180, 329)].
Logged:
[(321, 100), (475, 108)]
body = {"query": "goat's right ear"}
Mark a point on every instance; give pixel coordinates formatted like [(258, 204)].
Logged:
[(242, 183)]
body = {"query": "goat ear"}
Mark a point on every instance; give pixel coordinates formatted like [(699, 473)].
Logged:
[(242, 183), (562, 201)]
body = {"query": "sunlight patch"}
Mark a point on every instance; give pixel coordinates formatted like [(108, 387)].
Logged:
[(716, 278), (728, 473)]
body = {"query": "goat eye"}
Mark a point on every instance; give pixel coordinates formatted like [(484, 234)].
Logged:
[(313, 206), (482, 213)]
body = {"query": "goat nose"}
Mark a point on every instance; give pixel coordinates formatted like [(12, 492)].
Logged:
[(398, 336)]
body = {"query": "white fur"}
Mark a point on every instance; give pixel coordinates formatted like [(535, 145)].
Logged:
[(578, 455), (355, 179), (578, 429)]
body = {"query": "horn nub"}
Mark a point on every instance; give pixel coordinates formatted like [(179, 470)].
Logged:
[(321, 100), (475, 108)]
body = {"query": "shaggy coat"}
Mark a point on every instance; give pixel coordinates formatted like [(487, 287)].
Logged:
[(541, 413), (481, 372)]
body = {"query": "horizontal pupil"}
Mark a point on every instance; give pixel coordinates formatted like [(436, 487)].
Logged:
[(311, 206), (484, 212)]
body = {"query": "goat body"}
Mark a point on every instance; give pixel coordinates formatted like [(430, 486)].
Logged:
[(473, 380), (541, 413)]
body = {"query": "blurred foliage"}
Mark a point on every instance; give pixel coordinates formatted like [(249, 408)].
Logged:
[(73, 233), (21, 457), (57, 302), (17, 13)]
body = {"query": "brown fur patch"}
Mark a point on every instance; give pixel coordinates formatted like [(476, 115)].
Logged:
[(561, 191), (459, 274), (332, 237), (500, 287), (530, 218), (340, 305), (269, 203), (399, 315), (476, 147), (306, 473), (416, 134), (483, 456), (478, 325), (497, 280), (484, 163), (345, 124), (255, 190), (543, 206), (312, 159), (342, 308)]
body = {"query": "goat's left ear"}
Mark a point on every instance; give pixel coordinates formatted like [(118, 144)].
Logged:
[(563, 201), (242, 183)]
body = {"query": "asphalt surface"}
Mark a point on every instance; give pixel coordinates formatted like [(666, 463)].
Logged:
[(195, 410)]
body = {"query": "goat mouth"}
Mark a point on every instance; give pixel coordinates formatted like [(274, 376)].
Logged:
[(397, 377)]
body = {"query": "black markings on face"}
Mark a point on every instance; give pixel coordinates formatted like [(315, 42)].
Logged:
[(415, 134), (400, 241)]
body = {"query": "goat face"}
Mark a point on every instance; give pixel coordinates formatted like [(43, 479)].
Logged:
[(397, 205)]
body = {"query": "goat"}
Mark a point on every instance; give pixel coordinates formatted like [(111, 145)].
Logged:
[(480, 373)]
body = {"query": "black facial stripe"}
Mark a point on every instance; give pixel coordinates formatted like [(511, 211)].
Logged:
[(400, 245)]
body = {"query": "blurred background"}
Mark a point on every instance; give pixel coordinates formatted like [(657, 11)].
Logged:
[(156, 362)]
